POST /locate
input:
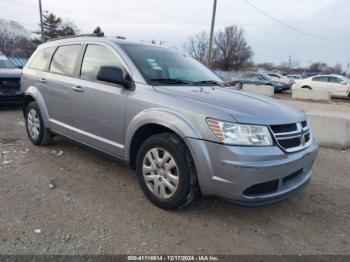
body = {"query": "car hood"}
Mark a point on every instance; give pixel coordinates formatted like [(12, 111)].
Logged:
[(242, 107), (10, 73)]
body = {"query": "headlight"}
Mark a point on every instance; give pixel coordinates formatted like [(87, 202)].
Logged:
[(239, 134)]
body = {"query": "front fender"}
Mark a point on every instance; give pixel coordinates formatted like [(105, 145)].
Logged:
[(183, 126), (34, 92)]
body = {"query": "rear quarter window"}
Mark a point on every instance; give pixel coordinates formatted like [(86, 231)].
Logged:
[(42, 58), (320, 79)]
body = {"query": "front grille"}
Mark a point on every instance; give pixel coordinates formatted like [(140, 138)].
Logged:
[(9, 84), (284, 128), (292, 137)]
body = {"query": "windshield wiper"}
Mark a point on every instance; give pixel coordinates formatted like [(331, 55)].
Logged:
[(210, 82), (172, 81)]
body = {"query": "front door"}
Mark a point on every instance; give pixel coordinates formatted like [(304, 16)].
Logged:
[(99, 107)]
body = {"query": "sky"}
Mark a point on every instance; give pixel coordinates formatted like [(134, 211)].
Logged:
[(173, 21)]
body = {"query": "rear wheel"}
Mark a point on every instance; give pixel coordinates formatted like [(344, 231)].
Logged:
[(166, 171), (36, 130)]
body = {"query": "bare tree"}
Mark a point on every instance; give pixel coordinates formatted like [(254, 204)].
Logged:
[(232, 50), (197, 47), (11, 34)]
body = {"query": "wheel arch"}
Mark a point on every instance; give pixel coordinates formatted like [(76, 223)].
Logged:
[(33, 94), (306, 87), (151, 122)]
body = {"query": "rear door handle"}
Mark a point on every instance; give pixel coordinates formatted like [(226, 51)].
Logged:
[(42, 80), (78, 88)]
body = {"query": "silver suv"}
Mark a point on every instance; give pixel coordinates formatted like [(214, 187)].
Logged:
[(172, 119)]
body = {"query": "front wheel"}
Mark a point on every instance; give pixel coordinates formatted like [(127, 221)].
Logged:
[(238, 85), (166, 171)]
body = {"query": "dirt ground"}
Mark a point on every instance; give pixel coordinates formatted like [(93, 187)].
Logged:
[(66, 199)]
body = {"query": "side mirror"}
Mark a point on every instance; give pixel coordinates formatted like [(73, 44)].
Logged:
[(19, 67), (343, 83), (112, 74)]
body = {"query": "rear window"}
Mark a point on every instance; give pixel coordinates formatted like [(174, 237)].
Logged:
[(42, 58), (64, 59)]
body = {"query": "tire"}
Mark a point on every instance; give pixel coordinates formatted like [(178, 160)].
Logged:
[(238, 85), (165, 175), (34, 121)]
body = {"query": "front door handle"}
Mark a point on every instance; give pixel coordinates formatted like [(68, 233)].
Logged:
[(78, 88), (42, 80)]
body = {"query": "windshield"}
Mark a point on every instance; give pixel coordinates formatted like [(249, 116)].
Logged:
[(5, 63), (161, 66), (346, 79)]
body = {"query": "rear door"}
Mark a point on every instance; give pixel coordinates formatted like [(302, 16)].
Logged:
[(99, 107), (320, 83), (59, 81)]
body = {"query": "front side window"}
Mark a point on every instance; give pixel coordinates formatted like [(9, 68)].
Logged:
[(161, 66), (64, 59), (335, 80), (95, 57), (266, 77), (255, 77), (42, 58)]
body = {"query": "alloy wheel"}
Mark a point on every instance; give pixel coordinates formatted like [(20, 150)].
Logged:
[(160, 173)]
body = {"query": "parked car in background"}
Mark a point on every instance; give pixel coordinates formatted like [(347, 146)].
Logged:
[(259, 79), (10, 91), (281, 78), (337, 85), (295, 77), (170, 118)]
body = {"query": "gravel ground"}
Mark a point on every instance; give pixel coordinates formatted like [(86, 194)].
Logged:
[(66, 199)]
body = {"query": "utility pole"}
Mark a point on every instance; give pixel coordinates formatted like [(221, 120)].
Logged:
[(41, 22), (211, 33), (290, 64)]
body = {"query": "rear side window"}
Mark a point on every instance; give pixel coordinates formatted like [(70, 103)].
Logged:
[(320, 79), (95, 57), (64, 59), (42, 58)]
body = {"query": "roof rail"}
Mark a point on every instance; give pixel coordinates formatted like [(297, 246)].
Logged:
[(75, 36)]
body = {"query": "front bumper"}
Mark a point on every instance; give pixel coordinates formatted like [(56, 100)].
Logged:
[(251, 175), (282, 88), (16, 98)]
